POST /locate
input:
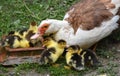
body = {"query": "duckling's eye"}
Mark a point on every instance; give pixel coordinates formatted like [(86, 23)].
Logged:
[(69, 49), (7, 40), (46, 40)]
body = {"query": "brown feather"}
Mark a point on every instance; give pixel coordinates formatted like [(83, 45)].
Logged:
[(88, 14)]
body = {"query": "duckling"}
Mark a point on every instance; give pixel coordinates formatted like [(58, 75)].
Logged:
[(90, 58), (15, 41), (31, 31), (48, 56), (61, 46), (73, 60), (53, 50), (26, 33)]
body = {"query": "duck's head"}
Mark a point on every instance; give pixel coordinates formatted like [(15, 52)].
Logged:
[(49, 26), (44, 27)]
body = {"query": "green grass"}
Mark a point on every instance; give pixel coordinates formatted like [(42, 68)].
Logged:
[(17, 14), (49, 69)]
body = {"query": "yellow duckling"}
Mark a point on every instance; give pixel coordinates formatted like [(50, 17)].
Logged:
[(31, 31), (90, 58), (74, 60), (26, 33), (53, 50), (15, 41)]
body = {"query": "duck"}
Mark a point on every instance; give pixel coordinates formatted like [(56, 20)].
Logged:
[(85, 23), (52, 51)]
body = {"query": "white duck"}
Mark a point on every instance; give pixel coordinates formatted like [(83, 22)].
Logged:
[(85, 23)]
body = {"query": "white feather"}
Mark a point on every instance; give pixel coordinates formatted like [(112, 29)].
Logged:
[(87, 38)]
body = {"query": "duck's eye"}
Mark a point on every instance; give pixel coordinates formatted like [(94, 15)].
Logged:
[(45, 26)]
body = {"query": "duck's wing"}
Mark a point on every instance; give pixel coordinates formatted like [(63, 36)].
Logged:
[(88, 14)]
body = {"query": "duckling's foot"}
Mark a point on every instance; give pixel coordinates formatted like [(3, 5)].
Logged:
[(67, 67), (55, 65)]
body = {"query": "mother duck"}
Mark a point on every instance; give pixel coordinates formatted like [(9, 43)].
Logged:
[(85, 23)]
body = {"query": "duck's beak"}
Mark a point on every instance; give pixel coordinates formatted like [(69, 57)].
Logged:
[(35, 36)]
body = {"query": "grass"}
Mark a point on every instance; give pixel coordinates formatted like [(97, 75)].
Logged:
[(108, 69), (17, 14)]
